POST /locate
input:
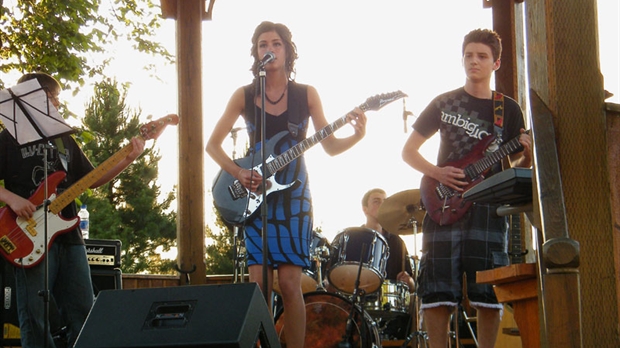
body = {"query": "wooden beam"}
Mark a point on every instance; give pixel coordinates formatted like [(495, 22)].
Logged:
[(564, 70), (169, 9), (190, 200), (508, 23), (560, 297)]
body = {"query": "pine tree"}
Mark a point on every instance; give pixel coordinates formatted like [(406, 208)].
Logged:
[(127, 208), (220, 250)]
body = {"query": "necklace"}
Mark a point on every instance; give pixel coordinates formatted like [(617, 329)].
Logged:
[(279, 99)]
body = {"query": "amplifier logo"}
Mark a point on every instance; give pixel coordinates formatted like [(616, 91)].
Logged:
[(94, 250)]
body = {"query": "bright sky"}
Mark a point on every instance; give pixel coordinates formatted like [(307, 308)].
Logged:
[(349, 51)]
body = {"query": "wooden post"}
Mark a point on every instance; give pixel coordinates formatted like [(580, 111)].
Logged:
[(558, 254), (190, 218), (564, 71), (508, 23)]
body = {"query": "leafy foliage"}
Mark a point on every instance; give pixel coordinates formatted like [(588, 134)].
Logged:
[(127, 208), (61, 36), (220, 253)]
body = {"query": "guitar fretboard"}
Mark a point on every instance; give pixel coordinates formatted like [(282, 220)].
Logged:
[(84, 183), (291, 154), (516, 251), (475, 169)]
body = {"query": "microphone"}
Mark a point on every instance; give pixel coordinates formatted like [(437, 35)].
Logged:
[(405, 114), (267, 58)]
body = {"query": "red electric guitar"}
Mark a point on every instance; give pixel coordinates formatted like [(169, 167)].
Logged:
[(444, 205), (22, 242)]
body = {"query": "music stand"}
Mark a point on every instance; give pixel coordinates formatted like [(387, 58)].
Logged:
[(30, 118)]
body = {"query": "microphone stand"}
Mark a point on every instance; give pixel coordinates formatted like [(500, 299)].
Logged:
[(262, 74), (346, 339), (45, 293), (406, 113)]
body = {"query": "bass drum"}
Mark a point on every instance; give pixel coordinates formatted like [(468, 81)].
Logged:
[(326, 323)]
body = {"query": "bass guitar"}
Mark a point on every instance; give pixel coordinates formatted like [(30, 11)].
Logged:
[(22, 241), (444, 205), (236, 203)]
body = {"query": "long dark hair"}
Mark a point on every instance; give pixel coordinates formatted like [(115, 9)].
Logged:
[(287, 39)]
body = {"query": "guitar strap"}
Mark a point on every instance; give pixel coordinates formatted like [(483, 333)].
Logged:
[(498, 121), (297, 106), (498, 115)]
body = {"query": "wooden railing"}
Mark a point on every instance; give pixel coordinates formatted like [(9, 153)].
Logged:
[(139, 281)]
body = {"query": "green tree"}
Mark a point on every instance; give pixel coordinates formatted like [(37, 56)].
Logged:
[(220, 251), (60, 36), (127, 208)]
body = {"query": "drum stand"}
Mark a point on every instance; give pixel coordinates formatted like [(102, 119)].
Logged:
[(454, 336), (319, 256), (239, 256), (421, 338), (357, 294)]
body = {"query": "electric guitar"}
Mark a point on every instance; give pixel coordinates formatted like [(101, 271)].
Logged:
[(445, 205), (236, 203), (22, 241), (516, 252)]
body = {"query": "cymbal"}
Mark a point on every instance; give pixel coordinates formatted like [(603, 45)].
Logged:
[(402, 213)]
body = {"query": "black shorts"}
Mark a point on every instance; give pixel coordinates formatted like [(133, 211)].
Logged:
[(477, 242)]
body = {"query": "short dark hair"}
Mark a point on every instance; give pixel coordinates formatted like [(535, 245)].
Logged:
[(487, 37), (287, 38), (370, 192), (45, 80)]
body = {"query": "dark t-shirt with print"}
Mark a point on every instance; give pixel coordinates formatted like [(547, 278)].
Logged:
[(22, 169), (463, 120)]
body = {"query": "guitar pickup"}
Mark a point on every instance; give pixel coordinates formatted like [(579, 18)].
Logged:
[(32, 227), (7, 245), (237, 190)]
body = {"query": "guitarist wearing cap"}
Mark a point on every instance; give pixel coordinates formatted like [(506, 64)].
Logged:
[(69, 273), (460, 239)]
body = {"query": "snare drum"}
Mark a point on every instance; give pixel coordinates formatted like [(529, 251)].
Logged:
[(311, 277), (326, 322), (346, 256)]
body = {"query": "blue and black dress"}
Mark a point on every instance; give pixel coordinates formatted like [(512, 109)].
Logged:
[(289, 216)]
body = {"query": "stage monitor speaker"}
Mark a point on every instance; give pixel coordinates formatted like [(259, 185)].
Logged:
[(106, 279), (222, 316)]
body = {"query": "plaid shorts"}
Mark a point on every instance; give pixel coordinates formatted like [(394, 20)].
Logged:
[(478, 241)]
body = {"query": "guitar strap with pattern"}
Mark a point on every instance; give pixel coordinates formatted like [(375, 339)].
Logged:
[(498, 121), (498, 114)]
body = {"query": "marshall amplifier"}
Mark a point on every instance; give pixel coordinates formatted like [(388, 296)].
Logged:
[(103, 252)]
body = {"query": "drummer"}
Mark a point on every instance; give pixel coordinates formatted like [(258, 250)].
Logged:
[(399, 256)]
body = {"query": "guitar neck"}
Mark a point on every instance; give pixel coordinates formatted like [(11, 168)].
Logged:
[(516, 251), (373, 103), (294, 152), (476, 169), (84, 183)]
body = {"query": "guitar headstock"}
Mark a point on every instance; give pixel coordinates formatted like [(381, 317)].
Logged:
[(153, 129), (378, 101)]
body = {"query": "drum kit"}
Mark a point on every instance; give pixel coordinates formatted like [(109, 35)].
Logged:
[(361, 303)]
